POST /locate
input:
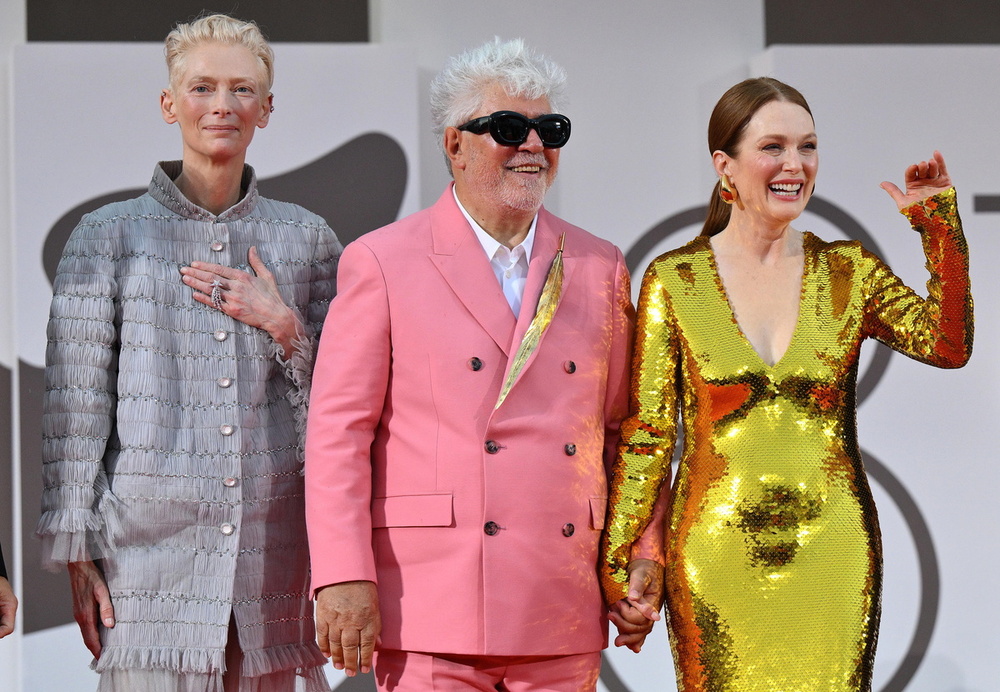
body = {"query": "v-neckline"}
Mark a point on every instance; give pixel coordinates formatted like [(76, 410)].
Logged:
[(721, 288)]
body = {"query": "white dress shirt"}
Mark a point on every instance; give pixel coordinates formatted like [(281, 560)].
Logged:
[(509, 264)]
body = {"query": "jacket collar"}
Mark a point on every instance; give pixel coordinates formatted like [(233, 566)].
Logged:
[(459, 256), (163, 189)]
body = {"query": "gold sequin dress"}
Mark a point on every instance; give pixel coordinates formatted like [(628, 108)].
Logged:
[(773, 547)]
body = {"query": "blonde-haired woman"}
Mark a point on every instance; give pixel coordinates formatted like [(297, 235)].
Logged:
[(181, 339)]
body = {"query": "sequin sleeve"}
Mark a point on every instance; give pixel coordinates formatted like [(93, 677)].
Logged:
[(648, 435), (937, 329), (79, 518)]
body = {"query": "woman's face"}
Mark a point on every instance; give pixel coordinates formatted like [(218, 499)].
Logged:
[(218, 101), (774, 169)]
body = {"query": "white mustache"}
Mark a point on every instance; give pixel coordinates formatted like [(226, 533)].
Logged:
[(527, 162)]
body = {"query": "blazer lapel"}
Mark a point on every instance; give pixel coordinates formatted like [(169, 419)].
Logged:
[(459, 257), (547, 237)]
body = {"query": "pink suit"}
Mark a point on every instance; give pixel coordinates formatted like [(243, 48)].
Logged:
[(481, 527)]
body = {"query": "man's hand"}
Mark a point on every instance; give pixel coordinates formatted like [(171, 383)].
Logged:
[(348, 624), (91, 602), (8, 608), (634, 616)]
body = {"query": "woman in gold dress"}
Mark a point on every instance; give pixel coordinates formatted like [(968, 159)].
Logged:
[(750, 335)]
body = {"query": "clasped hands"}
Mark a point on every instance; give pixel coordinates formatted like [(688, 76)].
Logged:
[(635, 614)]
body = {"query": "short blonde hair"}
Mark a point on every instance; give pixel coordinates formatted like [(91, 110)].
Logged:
[(219, 28)]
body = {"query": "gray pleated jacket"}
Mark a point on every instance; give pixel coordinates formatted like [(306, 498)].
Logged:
[(171, 432)]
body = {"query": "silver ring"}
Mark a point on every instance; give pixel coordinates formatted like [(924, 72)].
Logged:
[(217, 294)]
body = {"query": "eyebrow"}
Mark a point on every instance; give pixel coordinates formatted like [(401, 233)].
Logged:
[(811, 135), (207, 78)]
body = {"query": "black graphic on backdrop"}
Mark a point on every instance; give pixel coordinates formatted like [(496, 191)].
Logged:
[(909, 22), (304, 21)]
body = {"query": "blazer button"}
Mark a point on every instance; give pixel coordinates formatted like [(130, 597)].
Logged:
[(217, 246), (492, 446), (227, 429), (491, 528), (568, 530), (570, 450), (569, 366), (475, 364), (221, 335)]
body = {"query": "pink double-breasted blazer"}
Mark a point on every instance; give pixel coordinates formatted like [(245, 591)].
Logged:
[(481, 527)]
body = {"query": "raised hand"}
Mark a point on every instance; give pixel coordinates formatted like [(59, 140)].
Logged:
[(922, 180)]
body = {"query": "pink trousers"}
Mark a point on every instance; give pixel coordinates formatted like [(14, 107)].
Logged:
[(408, 671)]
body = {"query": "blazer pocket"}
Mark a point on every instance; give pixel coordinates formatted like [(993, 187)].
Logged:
[(598, 508), (412, 510)]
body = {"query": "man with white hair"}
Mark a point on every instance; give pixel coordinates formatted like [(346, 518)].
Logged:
[(464, 418)]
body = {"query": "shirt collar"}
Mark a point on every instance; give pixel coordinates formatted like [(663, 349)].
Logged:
[(491, 244)]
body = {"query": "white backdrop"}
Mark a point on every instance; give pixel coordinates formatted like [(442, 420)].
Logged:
[(642, 84)]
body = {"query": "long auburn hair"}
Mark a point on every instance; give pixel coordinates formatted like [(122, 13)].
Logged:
[(729, 120)]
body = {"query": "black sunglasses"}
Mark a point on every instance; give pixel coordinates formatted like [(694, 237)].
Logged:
[(511, 129)]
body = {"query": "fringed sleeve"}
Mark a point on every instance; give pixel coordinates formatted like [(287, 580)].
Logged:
[(309, 324), (79, 518)]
